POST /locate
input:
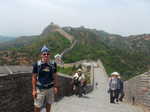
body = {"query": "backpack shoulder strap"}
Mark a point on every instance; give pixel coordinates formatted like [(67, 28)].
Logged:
[(52, 62), (39, 63)]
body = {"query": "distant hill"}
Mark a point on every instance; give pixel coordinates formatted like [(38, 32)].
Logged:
[(128, 55), (25, 50), (18, 42), (6, 38)]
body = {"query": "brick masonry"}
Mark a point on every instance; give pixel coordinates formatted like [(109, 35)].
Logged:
[(15, 92), (137, 90)]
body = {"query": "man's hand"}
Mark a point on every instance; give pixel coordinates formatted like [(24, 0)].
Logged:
[(55, 89), (34, 93)]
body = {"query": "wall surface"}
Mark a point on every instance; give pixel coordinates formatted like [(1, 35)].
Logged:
[(15, 92), (137, 90), (16, 88)]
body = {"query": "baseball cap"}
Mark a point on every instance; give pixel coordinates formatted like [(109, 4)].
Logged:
[(45, 49)]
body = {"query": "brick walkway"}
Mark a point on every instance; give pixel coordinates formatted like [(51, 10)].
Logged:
[(96, 101)]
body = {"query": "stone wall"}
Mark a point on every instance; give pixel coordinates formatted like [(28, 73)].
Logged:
[(65, 86), (15, 92), (137, 90)]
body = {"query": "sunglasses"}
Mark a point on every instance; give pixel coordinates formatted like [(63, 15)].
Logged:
[(46, 54)]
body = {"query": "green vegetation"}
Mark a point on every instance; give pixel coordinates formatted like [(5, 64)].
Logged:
[(128, 55), (72, 70), (56, 42), (67, 70), (115, 54)]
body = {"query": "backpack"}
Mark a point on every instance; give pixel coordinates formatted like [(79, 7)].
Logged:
[(51, 63), (40, 85)]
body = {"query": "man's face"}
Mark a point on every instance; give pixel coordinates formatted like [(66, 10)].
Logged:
[(45, 56), (79, 72), (114, 76)]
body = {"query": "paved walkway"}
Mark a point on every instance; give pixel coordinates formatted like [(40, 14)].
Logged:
[(96, 101)]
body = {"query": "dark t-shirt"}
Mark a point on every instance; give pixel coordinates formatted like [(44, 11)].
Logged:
[(45, 72)]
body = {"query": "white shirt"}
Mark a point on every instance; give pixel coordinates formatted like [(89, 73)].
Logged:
[(82, 77), (76, 76)]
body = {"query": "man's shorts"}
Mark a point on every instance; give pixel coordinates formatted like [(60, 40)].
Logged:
[(44, 96)]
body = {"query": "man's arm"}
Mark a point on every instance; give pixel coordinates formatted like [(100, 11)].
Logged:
[(34, 80)]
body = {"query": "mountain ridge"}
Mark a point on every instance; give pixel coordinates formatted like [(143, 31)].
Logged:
[(127, 55), (6, 38)]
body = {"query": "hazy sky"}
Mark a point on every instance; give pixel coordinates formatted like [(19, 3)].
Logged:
[(29, 17)]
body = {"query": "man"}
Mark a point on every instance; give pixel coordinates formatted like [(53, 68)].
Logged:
[(118, 87), (113, 86), (44, 81), (81, 80), (96, 85), (76, 83), (79, 84), (121, 89)]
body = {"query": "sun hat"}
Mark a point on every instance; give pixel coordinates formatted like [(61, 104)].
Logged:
[(79, 70), (115, 73)]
